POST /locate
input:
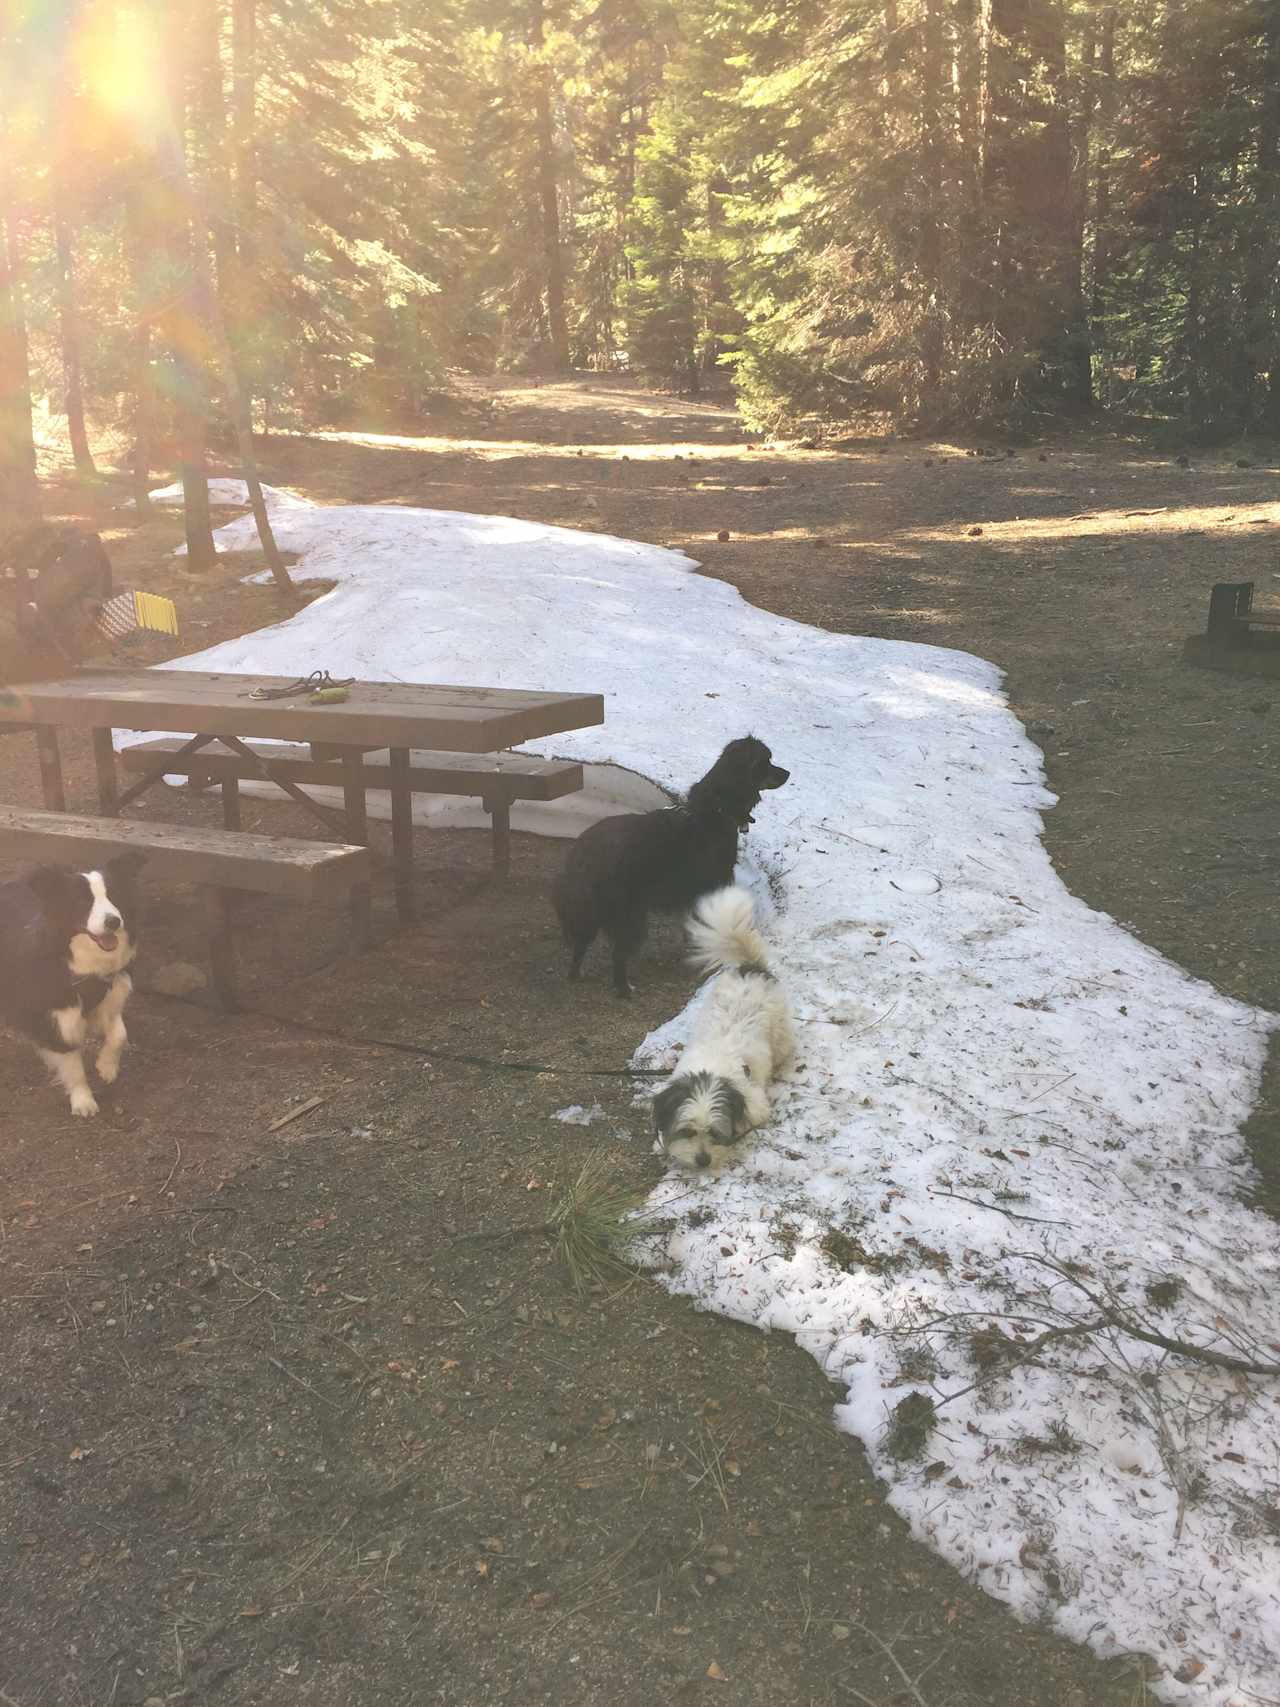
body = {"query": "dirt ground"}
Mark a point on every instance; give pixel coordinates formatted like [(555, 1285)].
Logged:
[(277, 1428)]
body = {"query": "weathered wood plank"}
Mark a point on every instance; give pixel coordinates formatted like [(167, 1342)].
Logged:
[(517, 776), (269, 865), (377, 714)]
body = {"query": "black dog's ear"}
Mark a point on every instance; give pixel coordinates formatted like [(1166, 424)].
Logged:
[(52, 883)]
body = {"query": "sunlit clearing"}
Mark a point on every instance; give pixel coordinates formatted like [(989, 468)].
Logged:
[(1173, 520)]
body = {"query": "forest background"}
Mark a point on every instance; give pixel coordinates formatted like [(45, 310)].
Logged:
[(932, 213)]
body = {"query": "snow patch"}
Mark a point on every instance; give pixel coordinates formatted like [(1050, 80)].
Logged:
[(1008, 1116)]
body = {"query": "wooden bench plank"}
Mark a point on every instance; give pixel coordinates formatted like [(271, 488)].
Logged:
[(515, 776), (228, 859)]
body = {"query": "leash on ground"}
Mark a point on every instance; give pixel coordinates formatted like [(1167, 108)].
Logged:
[(426, 1052)]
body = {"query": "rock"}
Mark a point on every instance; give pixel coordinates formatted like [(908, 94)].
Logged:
[(1241, 463), (723, 535), (974, 532), (1183, 461), (178, 978)]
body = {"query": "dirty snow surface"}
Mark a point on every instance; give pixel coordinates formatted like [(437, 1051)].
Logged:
[(1011, 1146)]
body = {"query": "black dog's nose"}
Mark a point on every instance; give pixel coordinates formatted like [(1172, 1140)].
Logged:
[(113, 921), (703, 1158)]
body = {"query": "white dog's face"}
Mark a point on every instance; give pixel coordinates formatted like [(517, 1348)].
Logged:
[(699, 1118)]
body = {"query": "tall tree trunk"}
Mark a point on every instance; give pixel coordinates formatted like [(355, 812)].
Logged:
[(1027, 170), (69, 319), (967, 74), (138, 245), (209, 313), (211, 115), (549, 196), (1264, 327), (19, 488), (244, 80), (1106, 113), (180, 320), (931, 63), (1079, 375)]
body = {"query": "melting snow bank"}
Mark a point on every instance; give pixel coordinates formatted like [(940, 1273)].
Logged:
[(1013, 1126)]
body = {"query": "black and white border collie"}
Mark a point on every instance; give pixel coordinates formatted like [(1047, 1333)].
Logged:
[(66, 939), (623, 868)]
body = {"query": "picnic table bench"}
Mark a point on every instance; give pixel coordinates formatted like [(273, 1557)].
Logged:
[(224, 860), (1240, 635), (496, 779), (396, 717), (1231, 609)]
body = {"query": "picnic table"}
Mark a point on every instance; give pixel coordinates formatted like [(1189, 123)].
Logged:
[(230, 708)]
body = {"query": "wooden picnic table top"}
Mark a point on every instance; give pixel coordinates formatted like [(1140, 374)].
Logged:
[(377, 714)]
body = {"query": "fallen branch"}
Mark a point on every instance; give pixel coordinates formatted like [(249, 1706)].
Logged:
[(1009, 1214), (1119, 1319)]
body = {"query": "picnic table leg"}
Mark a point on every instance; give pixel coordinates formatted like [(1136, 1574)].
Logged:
[(55, 794), (222, 949), (104, 759), (231, 803), (402, 832), (353, 793), (499, 810)]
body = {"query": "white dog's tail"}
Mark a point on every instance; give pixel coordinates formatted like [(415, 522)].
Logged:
[(723, 932)]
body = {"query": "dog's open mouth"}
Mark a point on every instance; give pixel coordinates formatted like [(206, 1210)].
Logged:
[(108, 941)]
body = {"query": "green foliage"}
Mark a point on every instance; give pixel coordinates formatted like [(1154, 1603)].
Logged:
[(930, 211)]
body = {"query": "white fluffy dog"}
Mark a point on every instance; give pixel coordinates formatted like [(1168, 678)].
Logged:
[(741, 1039)]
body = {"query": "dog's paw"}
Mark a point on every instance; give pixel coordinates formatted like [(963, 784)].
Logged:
[(83, 1103), (107, 1066)]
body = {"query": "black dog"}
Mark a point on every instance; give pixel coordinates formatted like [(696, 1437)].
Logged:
[(621, 869), (66, 941)]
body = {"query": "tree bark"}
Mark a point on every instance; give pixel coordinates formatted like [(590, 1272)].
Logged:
[(549, 196), (1106, 112), (1262, 330), (137, 246), (19, 488), (1079, 376), (1027, 171), (180, 321), (69, 319), (931, 61), (212, 122), (209, 311), (244, 75)]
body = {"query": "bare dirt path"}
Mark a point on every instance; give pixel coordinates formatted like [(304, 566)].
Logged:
[(276, 1430)]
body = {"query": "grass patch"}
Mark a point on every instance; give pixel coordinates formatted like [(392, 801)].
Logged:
[(911, 1422), (849, 1253), (1162, 1294), (1058, 1441), (917, 1362), (593, 1227)]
